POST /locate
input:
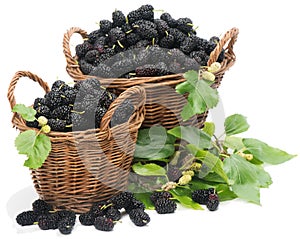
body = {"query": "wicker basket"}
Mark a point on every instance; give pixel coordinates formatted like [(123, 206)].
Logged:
[(85, 166), (163, 104)]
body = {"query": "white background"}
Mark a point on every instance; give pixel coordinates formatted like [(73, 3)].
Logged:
[(263, 85)]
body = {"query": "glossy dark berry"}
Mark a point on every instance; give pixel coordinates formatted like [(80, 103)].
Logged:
[(135, 204), (113, 213), (164, 206), (139, 217), (65, 225), (105, 26), (118, 18), (157, 195), (201, 196), (27, 218), (48, 221), (122, 200), (104, 224), (40, 206), (213, 202), (87, 219)]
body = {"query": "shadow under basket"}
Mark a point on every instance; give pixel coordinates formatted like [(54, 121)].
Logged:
[(84, 167), (163, 104)]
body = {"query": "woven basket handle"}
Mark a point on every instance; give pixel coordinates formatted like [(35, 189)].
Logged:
[(230, 38), (15, 79), (137, 96), (72, 65)]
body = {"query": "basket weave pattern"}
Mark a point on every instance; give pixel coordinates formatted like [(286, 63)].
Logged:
[(163, 104), (85, 166)]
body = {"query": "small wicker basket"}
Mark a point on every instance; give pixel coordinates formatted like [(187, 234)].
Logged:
[(85, 166), (163, 104)]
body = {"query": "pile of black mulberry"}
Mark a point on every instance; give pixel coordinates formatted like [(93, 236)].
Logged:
[(139, 45), (104, 215), (78, 107)]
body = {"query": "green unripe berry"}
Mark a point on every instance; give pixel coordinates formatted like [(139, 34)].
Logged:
[(214, 67), (189, 172), (46, 129), (185, 179), (206, 75), (195, 166), (42, 120)]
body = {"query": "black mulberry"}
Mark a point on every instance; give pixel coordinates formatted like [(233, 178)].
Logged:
[(65, 226), (185, 25), (213, 202), (113, 213), (104, 224), (164, 206), (87, 219), (157, 195), (118, 18), (122, 200), (57, 125), (48, 221), (27, 218), (139, 217), (201, 196), (105, 26), (40, 206)]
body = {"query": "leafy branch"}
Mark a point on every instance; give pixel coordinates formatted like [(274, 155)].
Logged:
[(35, 145), (234, 166)]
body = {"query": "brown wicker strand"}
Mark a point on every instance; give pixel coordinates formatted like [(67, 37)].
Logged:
[(14, 81), (72, 65), (229, 37)]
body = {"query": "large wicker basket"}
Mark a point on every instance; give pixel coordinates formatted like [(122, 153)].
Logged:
[(163, 104), (85, 166)]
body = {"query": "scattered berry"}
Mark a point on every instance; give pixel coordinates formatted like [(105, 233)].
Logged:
[(65, 225), (48, 221), (164, 205), (27, 218), (122, 200), (201, 196), (157, 195), (40, 206), (87, 219), (104, 224), (139, 217), (213, 202)]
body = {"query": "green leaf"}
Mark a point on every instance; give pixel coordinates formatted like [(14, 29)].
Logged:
[(25, 141), (149, 169), (233, 142), (192, 135), (225, 193), (27, 113), (209, 128), (250, 193), (154, 143), (200, 95), (246, 178), (235, 124), (212, 162), (36, 147), (145, 198), (266, 153), (185, 200)]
